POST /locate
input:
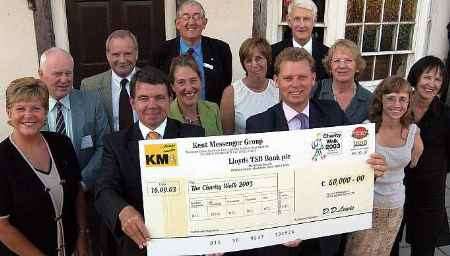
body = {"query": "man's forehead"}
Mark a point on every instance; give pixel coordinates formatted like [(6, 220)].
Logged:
[(190, 9), (144, 87), (301, 12), (287, 65)]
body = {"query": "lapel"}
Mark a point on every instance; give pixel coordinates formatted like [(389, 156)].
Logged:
[(106, 94), (279, 118), (78, 118), (315, 50), (316, 118), (207, 54), (134, 135), (172, 129)]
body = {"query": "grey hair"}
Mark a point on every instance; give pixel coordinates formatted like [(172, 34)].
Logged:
[(50, 51), (121, 33), (191, 2), (305, 4)]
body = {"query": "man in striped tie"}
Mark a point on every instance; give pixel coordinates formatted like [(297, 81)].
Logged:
[(76, 114)]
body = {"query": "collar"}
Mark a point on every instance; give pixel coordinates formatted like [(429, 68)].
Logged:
[(290, 113), (160, 129), (184, 46), (307, 46), (116, 78), (65, 101)]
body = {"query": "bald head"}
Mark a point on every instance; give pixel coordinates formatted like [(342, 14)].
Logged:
[(56, 71)]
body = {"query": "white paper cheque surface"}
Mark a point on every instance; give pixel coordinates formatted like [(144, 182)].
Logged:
[(229, 193)]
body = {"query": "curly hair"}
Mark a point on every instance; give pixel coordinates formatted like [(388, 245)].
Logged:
[(391, 84)]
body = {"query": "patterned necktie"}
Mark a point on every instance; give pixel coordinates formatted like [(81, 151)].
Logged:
[(60, 124), (125, 111), (190, 51), (153, 136), (304, 120)]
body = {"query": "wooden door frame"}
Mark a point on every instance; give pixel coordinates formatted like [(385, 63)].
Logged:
[(43, 24)]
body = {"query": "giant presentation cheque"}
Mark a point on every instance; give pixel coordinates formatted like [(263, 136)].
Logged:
[(228, 193)]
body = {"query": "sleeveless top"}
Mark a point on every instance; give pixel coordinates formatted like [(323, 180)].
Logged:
[(389, 191), (248, 103)]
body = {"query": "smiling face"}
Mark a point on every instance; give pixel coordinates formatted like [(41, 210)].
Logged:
[(395, 105), (27, 116), (343, 65), (429, 84), (57, 74), (256, 64), (295, 81), (122, 55), (301, 22), (190, 23), (151, 102), (186, 86)]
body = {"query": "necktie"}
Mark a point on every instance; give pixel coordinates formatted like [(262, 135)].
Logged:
[(190, 51), (125, 111), (153, 136), (60, 124), (304, 121)]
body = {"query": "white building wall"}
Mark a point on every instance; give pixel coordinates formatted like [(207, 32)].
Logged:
[(440, 17), (232, 22), (17, 48)]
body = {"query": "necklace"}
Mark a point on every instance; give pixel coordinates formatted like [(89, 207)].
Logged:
[(333, 89), (188, 120)]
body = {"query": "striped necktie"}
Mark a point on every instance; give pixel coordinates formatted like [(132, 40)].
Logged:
[(304, 120), (60, 124)]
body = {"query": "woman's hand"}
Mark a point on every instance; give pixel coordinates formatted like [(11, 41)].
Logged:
[(294, 243), (378, 163)]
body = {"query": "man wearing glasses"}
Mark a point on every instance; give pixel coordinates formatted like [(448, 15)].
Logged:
[(213, 56)]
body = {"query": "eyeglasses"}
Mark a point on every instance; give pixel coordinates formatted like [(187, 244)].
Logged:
[(194, 17), (343, 61), (390, 99)]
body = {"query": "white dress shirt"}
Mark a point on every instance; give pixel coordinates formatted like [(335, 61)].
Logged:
[(160, 129), (290, 115), (53, 112), (307, 46), (115, 91)]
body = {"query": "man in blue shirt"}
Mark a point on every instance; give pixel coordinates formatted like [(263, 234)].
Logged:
[(212, 56)]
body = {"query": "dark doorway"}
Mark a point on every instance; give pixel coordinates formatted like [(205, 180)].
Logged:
[(91, 21)]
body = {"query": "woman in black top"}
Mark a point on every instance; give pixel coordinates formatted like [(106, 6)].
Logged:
[(425, 185), (41, 204)]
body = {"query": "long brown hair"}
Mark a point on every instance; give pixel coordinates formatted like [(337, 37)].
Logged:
[(391, 84)]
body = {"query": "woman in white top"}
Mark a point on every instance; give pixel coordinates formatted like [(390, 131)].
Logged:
[(396, 135), (252, 94)]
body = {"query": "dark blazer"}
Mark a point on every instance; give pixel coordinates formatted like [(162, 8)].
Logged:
[(319, 50), (119, 183), (216, 53), (322, 113), (24, 198)]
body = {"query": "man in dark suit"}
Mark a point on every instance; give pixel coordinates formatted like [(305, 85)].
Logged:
[(295, 76), (212, 56), (113, 85), (301, 17), (119, 188)]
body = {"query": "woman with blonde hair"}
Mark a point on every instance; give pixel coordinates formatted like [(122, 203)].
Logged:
[(344, 63), (42, 208)]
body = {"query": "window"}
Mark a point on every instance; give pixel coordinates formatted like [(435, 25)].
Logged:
[(383, 29)]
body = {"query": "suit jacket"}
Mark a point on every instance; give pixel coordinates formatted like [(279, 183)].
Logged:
[(89, 124), (319, 50), (101, 83), (24, 198), (322, 113), (119, 183), (209, 116), (216, 53)]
